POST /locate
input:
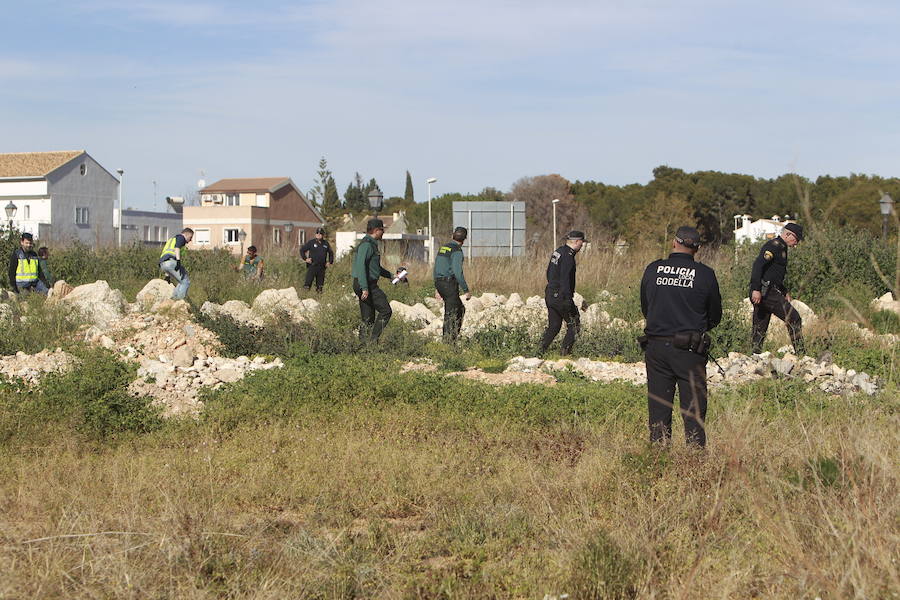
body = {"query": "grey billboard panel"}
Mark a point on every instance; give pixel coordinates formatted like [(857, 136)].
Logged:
[(495, 228)]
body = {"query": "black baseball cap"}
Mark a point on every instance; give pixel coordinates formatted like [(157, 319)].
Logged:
[(796, 230), (27, 236), (320, 230), (575, 235), (688, 236), (374, 224)]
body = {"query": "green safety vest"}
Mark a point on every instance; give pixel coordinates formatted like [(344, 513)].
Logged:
[(27, 270), (168, 249)]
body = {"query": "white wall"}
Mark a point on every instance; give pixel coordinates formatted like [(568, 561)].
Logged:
[(23, 188)]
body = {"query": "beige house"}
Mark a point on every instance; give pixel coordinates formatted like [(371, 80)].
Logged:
[(266, 212)]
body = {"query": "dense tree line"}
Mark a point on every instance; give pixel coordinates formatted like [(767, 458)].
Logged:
[(709, 199)]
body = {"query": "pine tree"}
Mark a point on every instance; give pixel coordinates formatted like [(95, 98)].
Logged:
[(331, 203), (355, 197), (408, 196), (317, 193)]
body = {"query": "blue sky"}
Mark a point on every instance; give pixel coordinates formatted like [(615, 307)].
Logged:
[(474, 93)]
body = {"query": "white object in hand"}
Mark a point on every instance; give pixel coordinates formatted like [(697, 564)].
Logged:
[(400, 276)]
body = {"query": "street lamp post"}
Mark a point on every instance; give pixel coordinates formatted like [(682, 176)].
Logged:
[(555, 202), (887, 207), (242, 235), (121, 173), (10, 214), (376, 201), (429, 181)]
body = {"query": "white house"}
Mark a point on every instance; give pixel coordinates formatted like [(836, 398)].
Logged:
[(59, 197), (748, 230)]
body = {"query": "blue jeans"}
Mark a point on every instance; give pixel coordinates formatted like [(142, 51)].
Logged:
[(177, 273), (35, 286)]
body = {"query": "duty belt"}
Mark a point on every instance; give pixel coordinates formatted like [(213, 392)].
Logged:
[(450, 278)]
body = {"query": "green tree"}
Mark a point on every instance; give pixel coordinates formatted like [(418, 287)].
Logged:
[(331, 203), (355, 197), (317, 193), (409, 195)]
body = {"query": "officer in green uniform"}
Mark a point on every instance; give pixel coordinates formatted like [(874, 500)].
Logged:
[(25, 273), (374, 307), (448, 279), (768, 292)]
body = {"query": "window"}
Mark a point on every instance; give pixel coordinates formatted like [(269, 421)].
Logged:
[(301, 239), (82, 215), (276, 235), (147, 233), (82, 169), (232, 200), (231, 236), (27, 212), (201, 236), (156, 233), (165, 234)]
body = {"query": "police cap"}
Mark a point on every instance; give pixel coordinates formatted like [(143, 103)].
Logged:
[(27, 236), (796, 230), (320, 230), (688, 236), (374, 224), (575, 235)]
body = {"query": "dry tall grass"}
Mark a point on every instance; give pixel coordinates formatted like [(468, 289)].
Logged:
[(800, 502)]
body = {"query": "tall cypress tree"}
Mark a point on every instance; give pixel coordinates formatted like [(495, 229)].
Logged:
[(408, 195)]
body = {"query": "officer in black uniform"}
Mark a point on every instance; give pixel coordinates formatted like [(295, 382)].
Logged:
[(559, 294), (681, 302), (768, 292), (318, 254), (449, 279)]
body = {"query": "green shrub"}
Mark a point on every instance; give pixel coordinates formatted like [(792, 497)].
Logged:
[(603, 571), (34, 325)]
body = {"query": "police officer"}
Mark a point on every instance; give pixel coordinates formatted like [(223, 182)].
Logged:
[(559, 294), (170, 262), (25, 272), (768, 292), (448, 279), (374, 307), (317, 253), (680, 300)]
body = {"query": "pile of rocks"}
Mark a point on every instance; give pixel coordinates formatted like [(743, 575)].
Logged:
[(738, 368), (267, 305), (30, 368), (176, 386)]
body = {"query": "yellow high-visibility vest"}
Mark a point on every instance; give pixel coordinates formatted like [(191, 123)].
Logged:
[(168, 249), (27, 270)]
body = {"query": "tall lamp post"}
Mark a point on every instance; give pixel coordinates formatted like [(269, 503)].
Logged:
[(376, 201), (121, 173), (555, 202), (887, 207), (242, 235), (429, 181), (10, 214)]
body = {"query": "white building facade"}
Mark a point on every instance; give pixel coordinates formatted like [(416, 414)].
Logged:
[(59, 197), (748, 230)]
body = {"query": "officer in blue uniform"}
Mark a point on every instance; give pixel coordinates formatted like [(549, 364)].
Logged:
[(768, 292), (559, 295)]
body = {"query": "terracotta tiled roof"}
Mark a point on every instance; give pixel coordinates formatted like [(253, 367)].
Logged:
[(252, 184), (34, 164)]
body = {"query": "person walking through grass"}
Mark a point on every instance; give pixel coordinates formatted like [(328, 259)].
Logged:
[(449, 279), (374, 308), (560, 294)]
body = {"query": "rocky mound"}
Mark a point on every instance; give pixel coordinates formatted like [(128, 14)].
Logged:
[(31, 368)]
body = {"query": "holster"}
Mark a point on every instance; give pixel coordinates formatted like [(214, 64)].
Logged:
[(695, 341), (642, 342), (764, 289)]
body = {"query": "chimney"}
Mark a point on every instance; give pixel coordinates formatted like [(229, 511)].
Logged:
[(176, 202)]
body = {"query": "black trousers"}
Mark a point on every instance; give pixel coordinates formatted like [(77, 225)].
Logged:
[(667, 367), (559, 310), (374, 310), (775, 303), (317, 272), (454, 310)]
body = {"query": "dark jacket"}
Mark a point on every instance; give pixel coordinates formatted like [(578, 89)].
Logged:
[(14, 265), (561, 272), (318, 250), (449, 263), (770, 265), (679, 295), (367, 264)]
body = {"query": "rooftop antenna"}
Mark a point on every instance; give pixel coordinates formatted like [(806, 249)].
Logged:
[(201, 183)]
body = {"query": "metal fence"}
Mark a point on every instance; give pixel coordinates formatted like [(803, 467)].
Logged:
[(495, 228)]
